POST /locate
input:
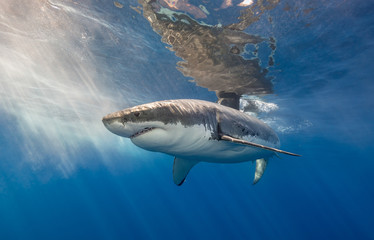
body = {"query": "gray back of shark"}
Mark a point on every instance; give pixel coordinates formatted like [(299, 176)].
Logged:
[(194, 131)]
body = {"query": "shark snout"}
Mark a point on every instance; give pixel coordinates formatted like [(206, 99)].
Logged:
[(112, 118), (113, 123), (108, 119)]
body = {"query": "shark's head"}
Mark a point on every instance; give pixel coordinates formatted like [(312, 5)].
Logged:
[(151, 126), (135, 122)]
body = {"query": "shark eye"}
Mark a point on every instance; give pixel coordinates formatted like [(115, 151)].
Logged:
[(137, 114)]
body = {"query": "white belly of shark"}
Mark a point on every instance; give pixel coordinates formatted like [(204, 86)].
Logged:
[(195, 143), (196, 131)]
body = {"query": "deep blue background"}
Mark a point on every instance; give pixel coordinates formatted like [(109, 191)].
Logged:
[(324, 90)]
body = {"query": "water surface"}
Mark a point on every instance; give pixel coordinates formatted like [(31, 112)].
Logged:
[(65, 64)]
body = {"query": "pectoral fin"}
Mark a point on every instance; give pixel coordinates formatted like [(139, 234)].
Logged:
[(260, 169), (240, 141), (181, 169)]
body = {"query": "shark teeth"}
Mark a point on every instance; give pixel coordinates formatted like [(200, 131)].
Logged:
[(143, 131)]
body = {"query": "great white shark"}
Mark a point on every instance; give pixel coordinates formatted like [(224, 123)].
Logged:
[(196, 131)]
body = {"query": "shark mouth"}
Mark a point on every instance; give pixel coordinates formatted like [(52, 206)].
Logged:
[(143, 131)]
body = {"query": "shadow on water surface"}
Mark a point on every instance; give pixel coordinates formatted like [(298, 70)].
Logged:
[(216, 57)]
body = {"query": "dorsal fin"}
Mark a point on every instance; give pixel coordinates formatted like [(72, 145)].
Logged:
[(228, 99), (240, 141), (181, 169)]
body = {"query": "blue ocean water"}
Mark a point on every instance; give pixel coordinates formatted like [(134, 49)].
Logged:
[(65, 64)]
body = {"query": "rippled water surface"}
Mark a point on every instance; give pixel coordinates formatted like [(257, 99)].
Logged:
[(303, 67)]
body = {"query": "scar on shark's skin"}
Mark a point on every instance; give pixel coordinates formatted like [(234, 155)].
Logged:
[(197, 131)]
